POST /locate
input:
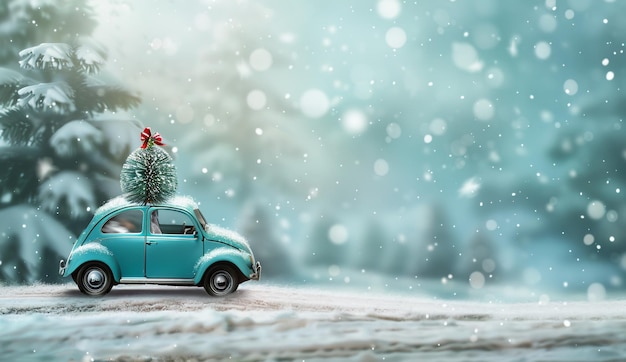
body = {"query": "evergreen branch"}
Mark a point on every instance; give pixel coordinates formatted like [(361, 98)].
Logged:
[(89, 68), (57, 97), (10, 82), (47, 56), (8, 94), (97, 99), (16, 127), (90, 57), (18, 172)]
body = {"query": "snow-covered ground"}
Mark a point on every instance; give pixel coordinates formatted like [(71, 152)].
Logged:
[(270, 322)]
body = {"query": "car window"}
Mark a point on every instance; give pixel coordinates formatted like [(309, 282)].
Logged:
[(126, 222), (165, 221)]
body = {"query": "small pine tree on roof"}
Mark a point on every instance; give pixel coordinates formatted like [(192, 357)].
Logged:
[(148, 176)]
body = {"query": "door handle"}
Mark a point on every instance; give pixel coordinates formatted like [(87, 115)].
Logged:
[(151, 242)]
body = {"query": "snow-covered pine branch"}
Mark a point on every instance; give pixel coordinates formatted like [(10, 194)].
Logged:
[(90, 57), (10, 82), (56, 96), (47, 56), (59, 56), (76, 137), (68, 193), (10, 76)]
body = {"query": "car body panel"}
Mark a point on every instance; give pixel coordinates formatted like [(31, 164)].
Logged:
[(92, 252), (158, 244), (160, 250), (217, 255)]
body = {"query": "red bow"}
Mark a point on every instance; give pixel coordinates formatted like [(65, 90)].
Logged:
[(148, 139)]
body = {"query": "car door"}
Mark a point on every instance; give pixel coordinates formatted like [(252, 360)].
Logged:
[(121, 233), (172, 244)]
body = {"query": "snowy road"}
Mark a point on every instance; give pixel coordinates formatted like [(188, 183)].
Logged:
[(261, 322)]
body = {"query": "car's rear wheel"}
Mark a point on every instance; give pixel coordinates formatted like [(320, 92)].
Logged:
[(221, 280), (94, 279)]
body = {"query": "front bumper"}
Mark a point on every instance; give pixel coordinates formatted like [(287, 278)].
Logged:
[(62, 267), (256, 271)]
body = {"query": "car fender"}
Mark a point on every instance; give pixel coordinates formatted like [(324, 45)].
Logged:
[(230, 255), (93, 252)]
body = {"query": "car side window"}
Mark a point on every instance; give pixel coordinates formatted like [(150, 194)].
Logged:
[(164, 221), (126, 222)]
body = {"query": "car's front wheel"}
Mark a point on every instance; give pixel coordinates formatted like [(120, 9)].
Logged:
[(221, 280), (94, 279)]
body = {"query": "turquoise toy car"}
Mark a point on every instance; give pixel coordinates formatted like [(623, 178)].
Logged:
[(168, 244)]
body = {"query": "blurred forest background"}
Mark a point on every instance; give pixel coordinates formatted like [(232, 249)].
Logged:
[(454, 145)]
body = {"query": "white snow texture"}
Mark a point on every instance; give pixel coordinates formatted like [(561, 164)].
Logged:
[(267, 323)]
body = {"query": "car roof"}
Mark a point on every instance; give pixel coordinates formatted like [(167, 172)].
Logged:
[(120, 202)]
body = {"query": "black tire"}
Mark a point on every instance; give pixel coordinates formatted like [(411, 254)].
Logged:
[(221, 280), (94, 279)]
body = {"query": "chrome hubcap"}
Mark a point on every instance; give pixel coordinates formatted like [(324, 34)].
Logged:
[(221, 282), (95, 279)]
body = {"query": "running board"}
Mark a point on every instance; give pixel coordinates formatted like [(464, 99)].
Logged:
[(162, 281)]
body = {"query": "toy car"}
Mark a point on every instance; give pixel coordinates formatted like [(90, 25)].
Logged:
[(169, 244)]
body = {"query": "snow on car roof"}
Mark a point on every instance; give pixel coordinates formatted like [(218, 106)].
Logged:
[(186, 202), (113, 204), (183, 201)]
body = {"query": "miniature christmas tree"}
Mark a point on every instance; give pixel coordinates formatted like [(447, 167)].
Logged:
[(148, 175)]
